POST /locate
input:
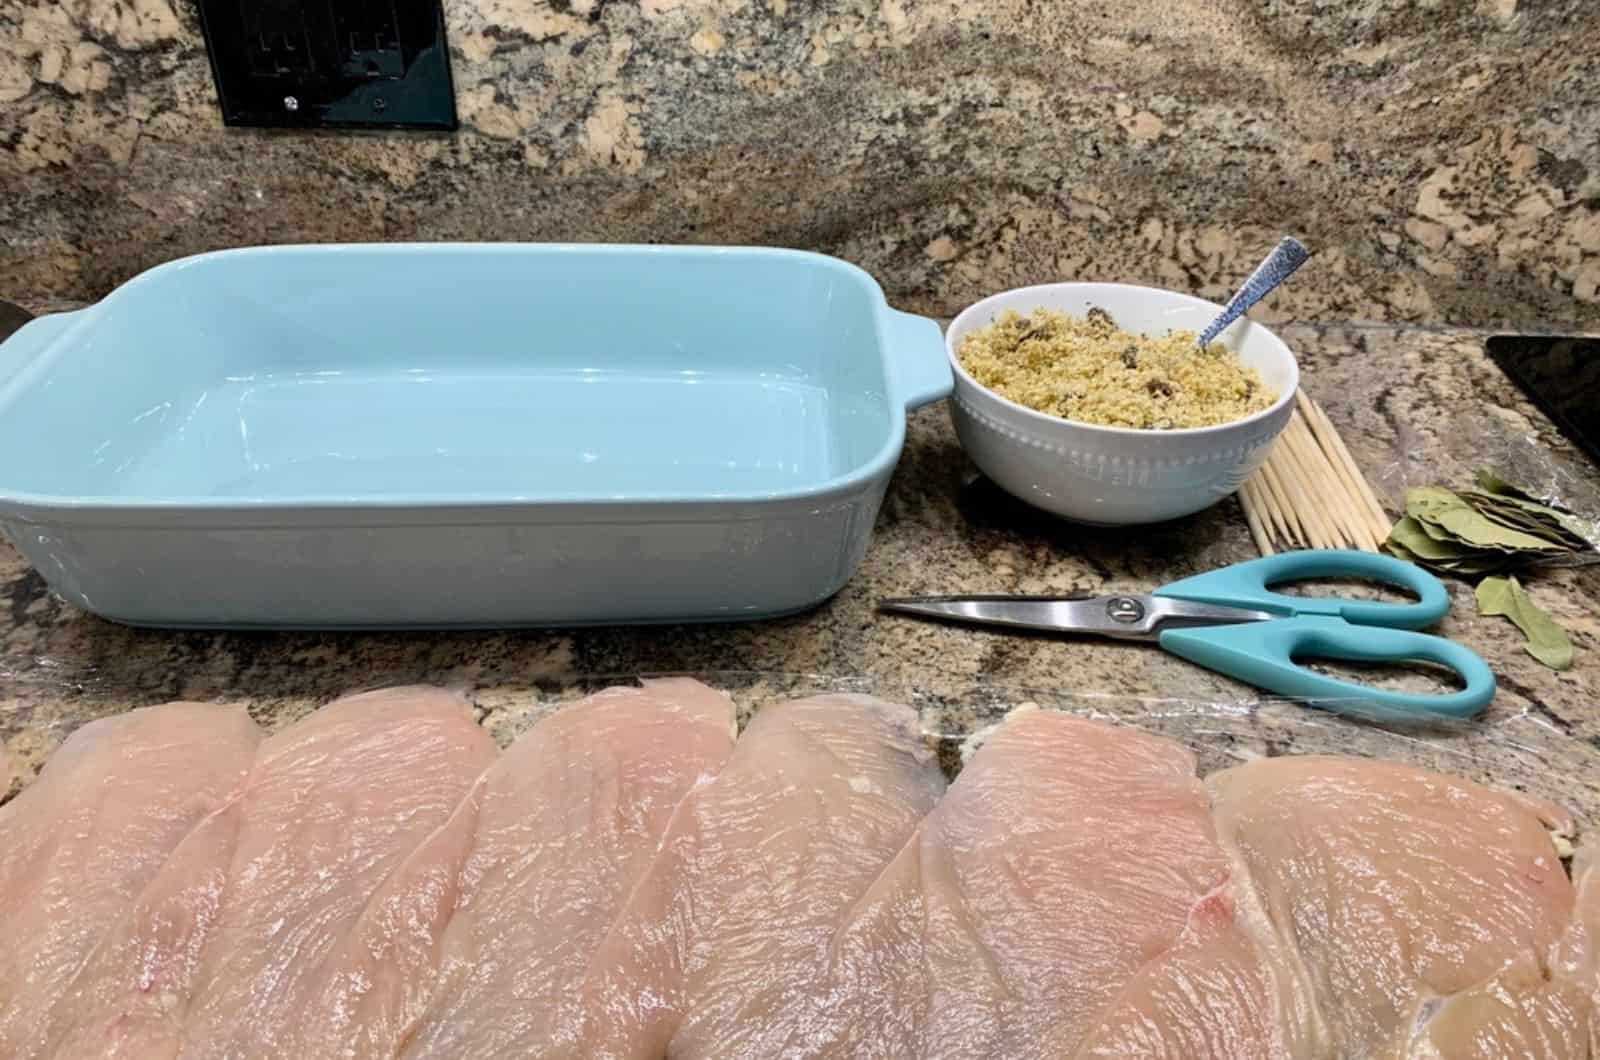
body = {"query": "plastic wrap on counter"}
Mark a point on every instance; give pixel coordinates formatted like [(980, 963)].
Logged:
[(1523, 751), (1562, 480)]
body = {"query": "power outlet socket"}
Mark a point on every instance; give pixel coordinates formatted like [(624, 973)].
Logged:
[(330, 63)]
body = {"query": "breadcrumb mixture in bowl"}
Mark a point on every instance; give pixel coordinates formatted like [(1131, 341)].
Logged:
[(1090, 400), (1089, 370)]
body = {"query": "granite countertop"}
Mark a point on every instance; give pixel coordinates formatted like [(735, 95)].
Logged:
[(1414, 404), (1432, 153)]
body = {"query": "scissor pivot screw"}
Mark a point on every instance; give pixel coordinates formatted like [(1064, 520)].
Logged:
[(1124, 609)]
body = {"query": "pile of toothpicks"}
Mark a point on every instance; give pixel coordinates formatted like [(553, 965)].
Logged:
[(1310, 493)]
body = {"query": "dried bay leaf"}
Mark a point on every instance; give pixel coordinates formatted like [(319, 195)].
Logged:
[(1431, 498), (1584, 533), (1445, 515), (1573, 530), (1513, 513), (1412, 536), (1501, 500), (1546, 641), (1438, 533), (1533, 524), (1494, 528), (1409, 540), (1399, 550), (1483, 564), (1489, 482)]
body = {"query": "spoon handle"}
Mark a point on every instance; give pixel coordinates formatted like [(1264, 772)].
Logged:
[(1276, 267)]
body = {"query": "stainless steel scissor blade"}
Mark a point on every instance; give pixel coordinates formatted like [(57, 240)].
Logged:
[(1135, 616)]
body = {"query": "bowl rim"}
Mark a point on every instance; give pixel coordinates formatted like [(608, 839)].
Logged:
[(1286, 398)]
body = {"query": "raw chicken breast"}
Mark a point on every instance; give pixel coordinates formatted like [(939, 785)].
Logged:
[(1520, 1012), (130, 998), (78, 846), (10, 771), (1582, 956), (1067, 856), (336, 803), (223, 943), (1539, 1005), (1216, 995), (476, 946), (1425, 909), (719, 953)]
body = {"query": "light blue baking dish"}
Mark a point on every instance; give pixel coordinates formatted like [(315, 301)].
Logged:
[(432, 435)]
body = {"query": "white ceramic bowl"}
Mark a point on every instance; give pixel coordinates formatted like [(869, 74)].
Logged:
[(1114, 476)]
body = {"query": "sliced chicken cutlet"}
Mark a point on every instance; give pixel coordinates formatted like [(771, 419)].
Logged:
[(219, 946), (130, 998), (719, 952), (1428, 913), (12, 773), (1538, 1005), (77, 847), (336, 804), (476, 945), (1223, 992), (1069, 858), (1582, 956)]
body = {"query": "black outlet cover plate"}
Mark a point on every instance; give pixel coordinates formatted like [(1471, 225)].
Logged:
[(313, 64)]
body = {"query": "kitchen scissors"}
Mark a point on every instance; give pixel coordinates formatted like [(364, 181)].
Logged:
[(1230, 621)]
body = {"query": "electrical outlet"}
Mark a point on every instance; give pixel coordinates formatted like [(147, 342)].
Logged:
[(330, 63)]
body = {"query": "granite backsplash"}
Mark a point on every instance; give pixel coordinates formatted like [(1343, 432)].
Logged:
[(1441, 154)]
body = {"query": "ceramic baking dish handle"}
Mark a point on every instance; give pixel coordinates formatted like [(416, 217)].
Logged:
[(920, 371), (31, 339)]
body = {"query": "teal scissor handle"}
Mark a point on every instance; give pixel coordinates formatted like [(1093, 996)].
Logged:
[(1263, 653), (1245, 585)]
